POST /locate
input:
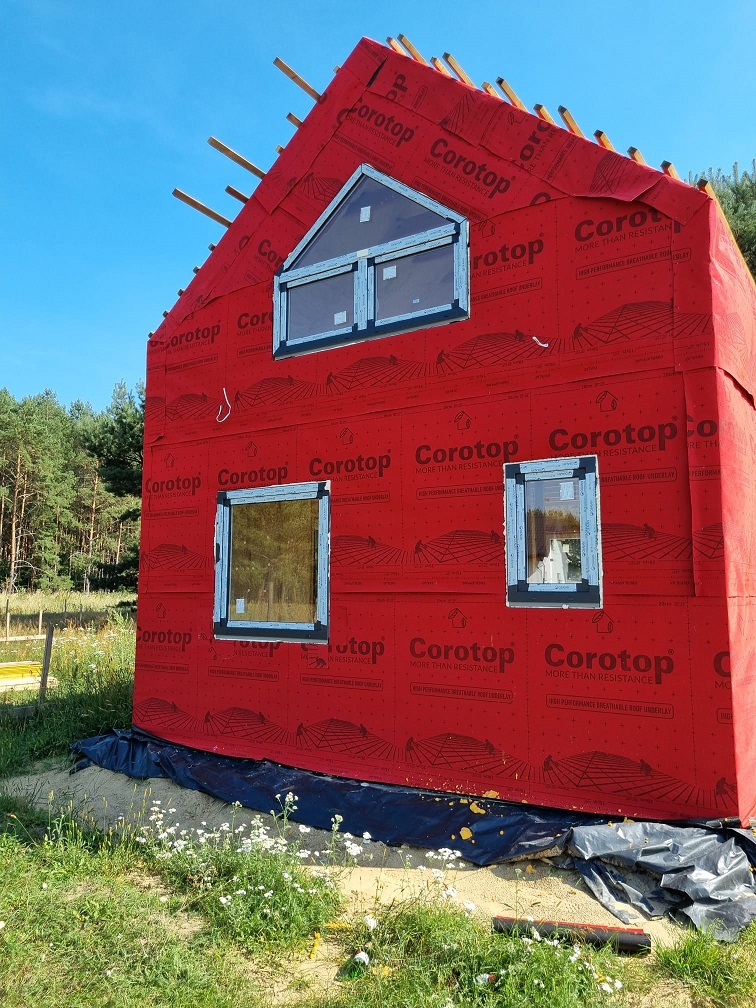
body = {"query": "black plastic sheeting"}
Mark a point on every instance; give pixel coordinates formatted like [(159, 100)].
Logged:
[(704, 874), (704, 871)]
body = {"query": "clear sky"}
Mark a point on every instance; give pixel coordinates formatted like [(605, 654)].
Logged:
[(107, 107)]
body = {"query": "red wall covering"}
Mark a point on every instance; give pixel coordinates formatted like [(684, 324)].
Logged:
[(610, 313)]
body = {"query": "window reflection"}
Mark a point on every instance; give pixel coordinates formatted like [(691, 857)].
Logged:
[(321, 307), (371, 215), (273, 562), (414, 283), (552, 531)]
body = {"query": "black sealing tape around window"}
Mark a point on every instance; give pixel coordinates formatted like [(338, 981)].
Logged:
[(318, 635), (584, 594), (702, 869)]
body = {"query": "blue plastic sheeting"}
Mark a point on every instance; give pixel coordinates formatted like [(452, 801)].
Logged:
[(395, 815), (701, 871)]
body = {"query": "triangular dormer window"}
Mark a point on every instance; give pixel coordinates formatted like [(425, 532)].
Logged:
[(381, 259)]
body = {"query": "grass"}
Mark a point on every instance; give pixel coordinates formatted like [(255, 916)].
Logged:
[(432, 953), (717, 974), (61, 609), (249, 884), (78, 931), (95, 672)]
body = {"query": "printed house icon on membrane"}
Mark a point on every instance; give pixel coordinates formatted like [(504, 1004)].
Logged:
[(487, 368)]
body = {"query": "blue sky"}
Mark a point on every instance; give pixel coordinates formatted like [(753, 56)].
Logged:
[(107, 107)]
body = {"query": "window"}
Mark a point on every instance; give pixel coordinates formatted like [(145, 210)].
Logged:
[(271, 579), (553, 543), (381, 259)]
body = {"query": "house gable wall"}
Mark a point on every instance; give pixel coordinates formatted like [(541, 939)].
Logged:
[(591, 330)]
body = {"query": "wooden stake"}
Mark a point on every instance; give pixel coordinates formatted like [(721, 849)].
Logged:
[(438, 65), (458, 69), (569, 121), (635, 155), (293, 119), (236, 194), (669, 169), (237, 158), (603, 140), (196, 205), (542, 113), (511, 94), (46, 663), (294, 76), (412, 50)]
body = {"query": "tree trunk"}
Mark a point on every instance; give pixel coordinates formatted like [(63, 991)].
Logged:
[(14, 529)]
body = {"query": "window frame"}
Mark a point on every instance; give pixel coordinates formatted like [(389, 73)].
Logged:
[(363, 263), (316, 632), (588, 593)]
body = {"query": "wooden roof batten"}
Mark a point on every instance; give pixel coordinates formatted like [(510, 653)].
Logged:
[(201, 207), (299, 81), (232, 155), (603, 140), (412, 50), (542, 112), (458, 71), (236, 194), (569, 121)]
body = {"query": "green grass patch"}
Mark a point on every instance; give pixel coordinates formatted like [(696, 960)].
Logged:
[(431, 953), (717, 974), (247, 881), (77, 929), (94, 669)]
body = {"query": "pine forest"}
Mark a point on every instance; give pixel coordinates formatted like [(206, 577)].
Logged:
[(69, 492)]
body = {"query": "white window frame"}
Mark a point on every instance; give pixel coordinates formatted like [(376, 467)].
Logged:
[(316, 632), (588, 593), (362, 262)]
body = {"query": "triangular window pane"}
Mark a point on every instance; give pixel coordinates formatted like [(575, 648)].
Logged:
[(371, 215)]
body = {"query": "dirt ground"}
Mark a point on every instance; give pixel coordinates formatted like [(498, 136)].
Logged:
[(530, 888)]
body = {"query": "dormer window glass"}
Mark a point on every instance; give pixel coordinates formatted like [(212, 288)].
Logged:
[(382, 259)]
